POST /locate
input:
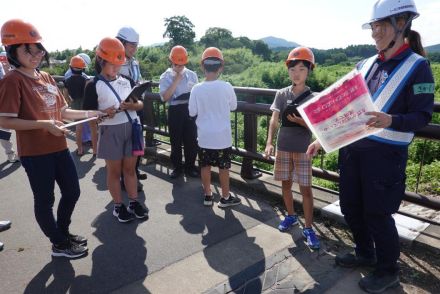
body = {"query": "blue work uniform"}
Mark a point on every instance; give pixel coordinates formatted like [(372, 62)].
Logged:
[(372, 172)]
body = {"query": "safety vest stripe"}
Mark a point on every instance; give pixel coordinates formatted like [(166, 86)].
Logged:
[(388, 93), (390, 90), (393, 137)]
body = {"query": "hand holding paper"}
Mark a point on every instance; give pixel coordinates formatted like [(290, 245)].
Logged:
[(338, 115)]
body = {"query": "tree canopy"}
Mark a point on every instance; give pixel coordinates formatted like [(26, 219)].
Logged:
[(179, 29)]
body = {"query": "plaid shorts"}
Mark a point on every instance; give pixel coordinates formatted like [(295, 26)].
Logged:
[(292, 165), (215, 157)]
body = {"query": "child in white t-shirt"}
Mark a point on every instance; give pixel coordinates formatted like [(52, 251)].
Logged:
[(211, 102)]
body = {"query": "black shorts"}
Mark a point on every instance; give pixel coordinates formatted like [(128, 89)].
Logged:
[(215, 157)]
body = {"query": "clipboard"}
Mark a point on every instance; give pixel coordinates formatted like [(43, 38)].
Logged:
[(137, 91)]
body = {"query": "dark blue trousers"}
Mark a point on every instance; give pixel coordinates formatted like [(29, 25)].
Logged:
[(372, 185), (43, 171), (182, 129)]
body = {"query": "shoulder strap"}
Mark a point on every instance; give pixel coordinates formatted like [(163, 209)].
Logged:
[(100, 77), (301, 97)]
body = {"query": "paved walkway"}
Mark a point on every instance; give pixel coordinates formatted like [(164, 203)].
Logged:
[(183, 248)]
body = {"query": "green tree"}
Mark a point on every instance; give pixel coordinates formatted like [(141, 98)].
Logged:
[(260, 48), (179, 29), (217, 37)]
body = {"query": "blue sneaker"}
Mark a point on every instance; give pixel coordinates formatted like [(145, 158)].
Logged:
[(311, 239), (288, 222)]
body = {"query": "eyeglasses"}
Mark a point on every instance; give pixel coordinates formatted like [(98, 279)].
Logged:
[(178, 65), (35, 53)]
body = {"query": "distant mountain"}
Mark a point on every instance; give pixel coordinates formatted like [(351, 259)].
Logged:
[(433, 48), (274, 42)]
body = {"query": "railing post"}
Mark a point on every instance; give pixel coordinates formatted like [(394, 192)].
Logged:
[(149, 120), (250, 142)]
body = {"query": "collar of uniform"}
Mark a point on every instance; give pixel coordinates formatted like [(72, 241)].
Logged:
[(399, 54)]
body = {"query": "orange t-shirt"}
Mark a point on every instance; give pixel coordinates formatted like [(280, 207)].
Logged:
[(33, 99)]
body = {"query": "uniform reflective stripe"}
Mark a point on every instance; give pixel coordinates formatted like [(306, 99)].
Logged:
[(393, 137), (388, 93), (366, 66), (390, 89)]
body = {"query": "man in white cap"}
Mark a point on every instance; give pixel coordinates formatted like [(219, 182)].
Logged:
[(131, 70)]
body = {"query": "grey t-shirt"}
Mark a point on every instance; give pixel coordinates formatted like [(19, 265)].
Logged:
[(290, 139)]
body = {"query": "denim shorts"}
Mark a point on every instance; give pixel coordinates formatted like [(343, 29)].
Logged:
[(215, 157)]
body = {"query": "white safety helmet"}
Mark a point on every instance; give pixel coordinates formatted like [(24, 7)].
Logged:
[(86, 58), (386, 8), (128, 34)]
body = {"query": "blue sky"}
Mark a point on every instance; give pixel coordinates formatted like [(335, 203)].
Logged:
[(320, 24)]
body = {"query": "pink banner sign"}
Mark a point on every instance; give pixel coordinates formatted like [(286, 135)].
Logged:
[(336, 116)]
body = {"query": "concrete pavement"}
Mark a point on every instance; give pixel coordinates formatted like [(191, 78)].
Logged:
[(183, 248)]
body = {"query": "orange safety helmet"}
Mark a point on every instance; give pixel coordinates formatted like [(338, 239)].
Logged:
[(16, 31), (77, 62), (301, 53), (178, 55), (111, 50), (212, 52)]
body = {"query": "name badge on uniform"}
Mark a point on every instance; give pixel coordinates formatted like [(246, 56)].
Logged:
[(52, 89), (289, 101)]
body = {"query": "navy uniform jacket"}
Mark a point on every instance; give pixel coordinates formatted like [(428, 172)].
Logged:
[(413, 108)]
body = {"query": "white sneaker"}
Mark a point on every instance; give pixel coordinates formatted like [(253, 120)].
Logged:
[(12, 157), (1, 246)]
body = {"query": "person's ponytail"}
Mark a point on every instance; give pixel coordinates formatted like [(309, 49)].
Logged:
[(414, 41)]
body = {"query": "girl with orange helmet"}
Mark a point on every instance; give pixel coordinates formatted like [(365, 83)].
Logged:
[(31, 103), (291, 161), (175, 86), (108, 93)]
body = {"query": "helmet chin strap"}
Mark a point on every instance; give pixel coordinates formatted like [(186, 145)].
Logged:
[(397, 32)]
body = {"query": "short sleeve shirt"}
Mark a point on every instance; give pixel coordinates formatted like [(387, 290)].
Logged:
[(290, 139), (186, 84), (33, 99)]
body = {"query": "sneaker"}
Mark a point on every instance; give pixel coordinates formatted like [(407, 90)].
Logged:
[(378, 282), (208, 200), (137, 209), (231, 201), (122, 214), (350, 260), (142, 176), (176, 173), (5, 225), (311, 239), (288, 222), (12, 157), (77, 239), (1, 246), (70, 250)]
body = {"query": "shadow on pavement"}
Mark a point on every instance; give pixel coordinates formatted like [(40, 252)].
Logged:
[(215, 227), (118, 261), (55, 277), (100, 179), (7, 168), (83, 166)]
